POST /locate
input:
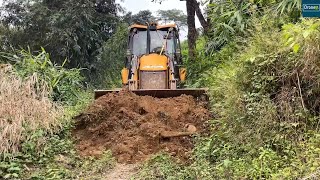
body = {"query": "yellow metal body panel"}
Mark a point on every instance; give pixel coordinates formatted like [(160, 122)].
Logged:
[(153, 62), (182, 74), (124, 75), (138, 26), (167, 26), (135, 75)]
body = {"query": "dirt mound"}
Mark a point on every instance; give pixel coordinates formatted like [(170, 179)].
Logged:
[(129, 125)]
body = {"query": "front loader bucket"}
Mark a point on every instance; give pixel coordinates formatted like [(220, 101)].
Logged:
[(161, 93)]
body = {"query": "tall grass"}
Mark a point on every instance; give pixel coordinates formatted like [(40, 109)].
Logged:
[(24, 107), (265, 98)]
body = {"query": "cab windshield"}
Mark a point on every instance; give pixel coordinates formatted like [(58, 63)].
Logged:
[(139, 43), (158, 38)]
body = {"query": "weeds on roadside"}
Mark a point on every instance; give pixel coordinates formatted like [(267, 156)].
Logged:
[(37, 103), (265, 98), (24, 107), (62, 84)]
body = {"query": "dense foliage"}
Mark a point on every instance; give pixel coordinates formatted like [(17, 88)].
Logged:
[(72, 30), (259, 59), (57, 51), (112, 59), (64, 84), (38, 101), (260, 65)]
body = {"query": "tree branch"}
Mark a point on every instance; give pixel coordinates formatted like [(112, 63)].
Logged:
[(200, 16)]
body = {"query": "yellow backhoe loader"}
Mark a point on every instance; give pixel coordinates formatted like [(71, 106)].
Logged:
[(153, 64)]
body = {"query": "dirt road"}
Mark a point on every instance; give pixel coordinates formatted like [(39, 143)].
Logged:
[(122, 172)]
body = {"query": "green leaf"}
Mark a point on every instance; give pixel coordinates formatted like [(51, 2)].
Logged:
[(296, 48), (15, 175), (7, 176), (12, 169), (289, 40), (306, 34), (227, 162)]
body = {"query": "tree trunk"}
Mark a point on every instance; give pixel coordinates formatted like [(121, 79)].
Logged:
[(192, 31), (200, 16)]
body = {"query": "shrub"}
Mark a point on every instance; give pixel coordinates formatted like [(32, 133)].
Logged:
[(111, 59), (63, 85), (24, 106), (265, 101), (37, 101)]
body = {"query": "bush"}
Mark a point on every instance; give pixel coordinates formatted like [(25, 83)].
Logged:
[(37, 101), (63, 85), (112, 58), (265, 101), (24, 107)]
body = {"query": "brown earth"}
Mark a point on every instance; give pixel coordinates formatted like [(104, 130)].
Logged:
[(129, 125)]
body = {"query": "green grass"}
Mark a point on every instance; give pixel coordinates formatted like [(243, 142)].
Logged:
[(47, 152), (263, 95)]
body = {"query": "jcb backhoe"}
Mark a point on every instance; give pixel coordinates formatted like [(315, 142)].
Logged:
[(153, 64)]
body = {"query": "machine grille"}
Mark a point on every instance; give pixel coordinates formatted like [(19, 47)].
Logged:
[(153, 80)]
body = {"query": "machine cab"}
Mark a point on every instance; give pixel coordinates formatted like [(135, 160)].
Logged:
[(153, 57)]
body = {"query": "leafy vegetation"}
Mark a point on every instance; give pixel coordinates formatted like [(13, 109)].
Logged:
[(112, 59), (264, 126), (34, 126), (263, 78), (72, 30), (259, 59), (63, 85)]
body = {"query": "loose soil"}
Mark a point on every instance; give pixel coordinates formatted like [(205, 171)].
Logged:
[(130, 126)]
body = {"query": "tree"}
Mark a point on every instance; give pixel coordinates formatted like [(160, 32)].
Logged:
[(140, 18), (112, 58), (173, 14), (69, 29), (193, 8), (204, 23), (192, 31), (144, 16)]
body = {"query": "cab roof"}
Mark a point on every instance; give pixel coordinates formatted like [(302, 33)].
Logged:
[(139, 26)]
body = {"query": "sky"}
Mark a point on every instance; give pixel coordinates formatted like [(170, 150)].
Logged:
[(138, 5)]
